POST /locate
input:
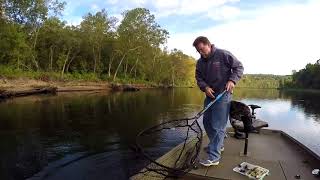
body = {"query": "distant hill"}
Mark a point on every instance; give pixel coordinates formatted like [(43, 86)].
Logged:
[(264, 81)]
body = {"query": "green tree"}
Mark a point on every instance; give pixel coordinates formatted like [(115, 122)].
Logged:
[(309, 77), (32, 37), (31, 14), (13, 44), (138, 30), (70, 49), (97, 28), (50, 43)]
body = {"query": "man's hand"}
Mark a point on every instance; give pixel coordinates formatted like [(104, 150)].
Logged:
[(209, 92), (229, 87)]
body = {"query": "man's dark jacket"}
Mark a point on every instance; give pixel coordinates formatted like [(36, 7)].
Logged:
[(216, 70)]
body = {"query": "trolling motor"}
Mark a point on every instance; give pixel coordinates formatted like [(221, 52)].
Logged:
[(244, 121)]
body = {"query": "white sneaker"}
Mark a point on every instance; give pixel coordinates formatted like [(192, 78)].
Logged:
[(208, 163), (221, 149)]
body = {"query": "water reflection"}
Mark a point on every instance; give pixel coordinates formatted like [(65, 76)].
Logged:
[(102, 127), (309, 102), (22, 155), (294, 112), (85, 122), (245, 93)]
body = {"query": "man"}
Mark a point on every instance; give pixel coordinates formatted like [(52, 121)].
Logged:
[(216, 70)]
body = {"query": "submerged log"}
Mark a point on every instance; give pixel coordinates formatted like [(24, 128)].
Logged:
[(44, 90), (124, 87), (130, 88)]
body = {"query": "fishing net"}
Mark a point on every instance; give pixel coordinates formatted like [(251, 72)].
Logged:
[(184, 135), (180, 159)]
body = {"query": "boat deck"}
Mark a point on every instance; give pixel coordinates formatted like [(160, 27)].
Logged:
[(274, 150)]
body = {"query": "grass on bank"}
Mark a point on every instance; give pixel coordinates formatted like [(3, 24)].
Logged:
[(257, 81), (9, 73)]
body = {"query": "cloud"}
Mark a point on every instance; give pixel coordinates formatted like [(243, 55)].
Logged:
[(139, 2), (74, 20), (224, 13), (268, 38), (218, 8), (94, 8), (112, 1), (277, 41)]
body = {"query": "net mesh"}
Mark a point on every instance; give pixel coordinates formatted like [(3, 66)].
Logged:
[(187, 138), (185, 135)]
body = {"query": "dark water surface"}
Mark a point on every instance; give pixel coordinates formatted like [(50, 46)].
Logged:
[(91, 135)]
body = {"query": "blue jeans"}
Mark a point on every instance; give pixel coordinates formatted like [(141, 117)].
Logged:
[(214, 121)]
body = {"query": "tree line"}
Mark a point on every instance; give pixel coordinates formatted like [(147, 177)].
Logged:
[(308, 77), (33, 38), (263, 81)]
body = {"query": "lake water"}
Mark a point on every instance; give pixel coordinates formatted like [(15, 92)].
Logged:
[(91, 135)]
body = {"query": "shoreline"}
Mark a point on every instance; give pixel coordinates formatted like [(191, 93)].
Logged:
[(22, 84), (11, 88)]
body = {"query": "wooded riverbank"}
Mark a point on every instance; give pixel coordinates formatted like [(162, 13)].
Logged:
[(24, 87)]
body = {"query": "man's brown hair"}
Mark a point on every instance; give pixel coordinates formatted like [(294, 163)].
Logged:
[(201, 39)]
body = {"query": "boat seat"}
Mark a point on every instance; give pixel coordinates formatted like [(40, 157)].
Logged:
[(243, 120), (257, 124), (253, 106)]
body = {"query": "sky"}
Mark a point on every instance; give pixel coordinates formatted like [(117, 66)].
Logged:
[(268, 37)]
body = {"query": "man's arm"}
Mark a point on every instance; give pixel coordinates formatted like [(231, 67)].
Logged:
[(236, 67), (199, 77), (201, 83)]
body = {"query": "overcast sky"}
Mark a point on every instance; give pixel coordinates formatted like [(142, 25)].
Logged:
[(268, 37)]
